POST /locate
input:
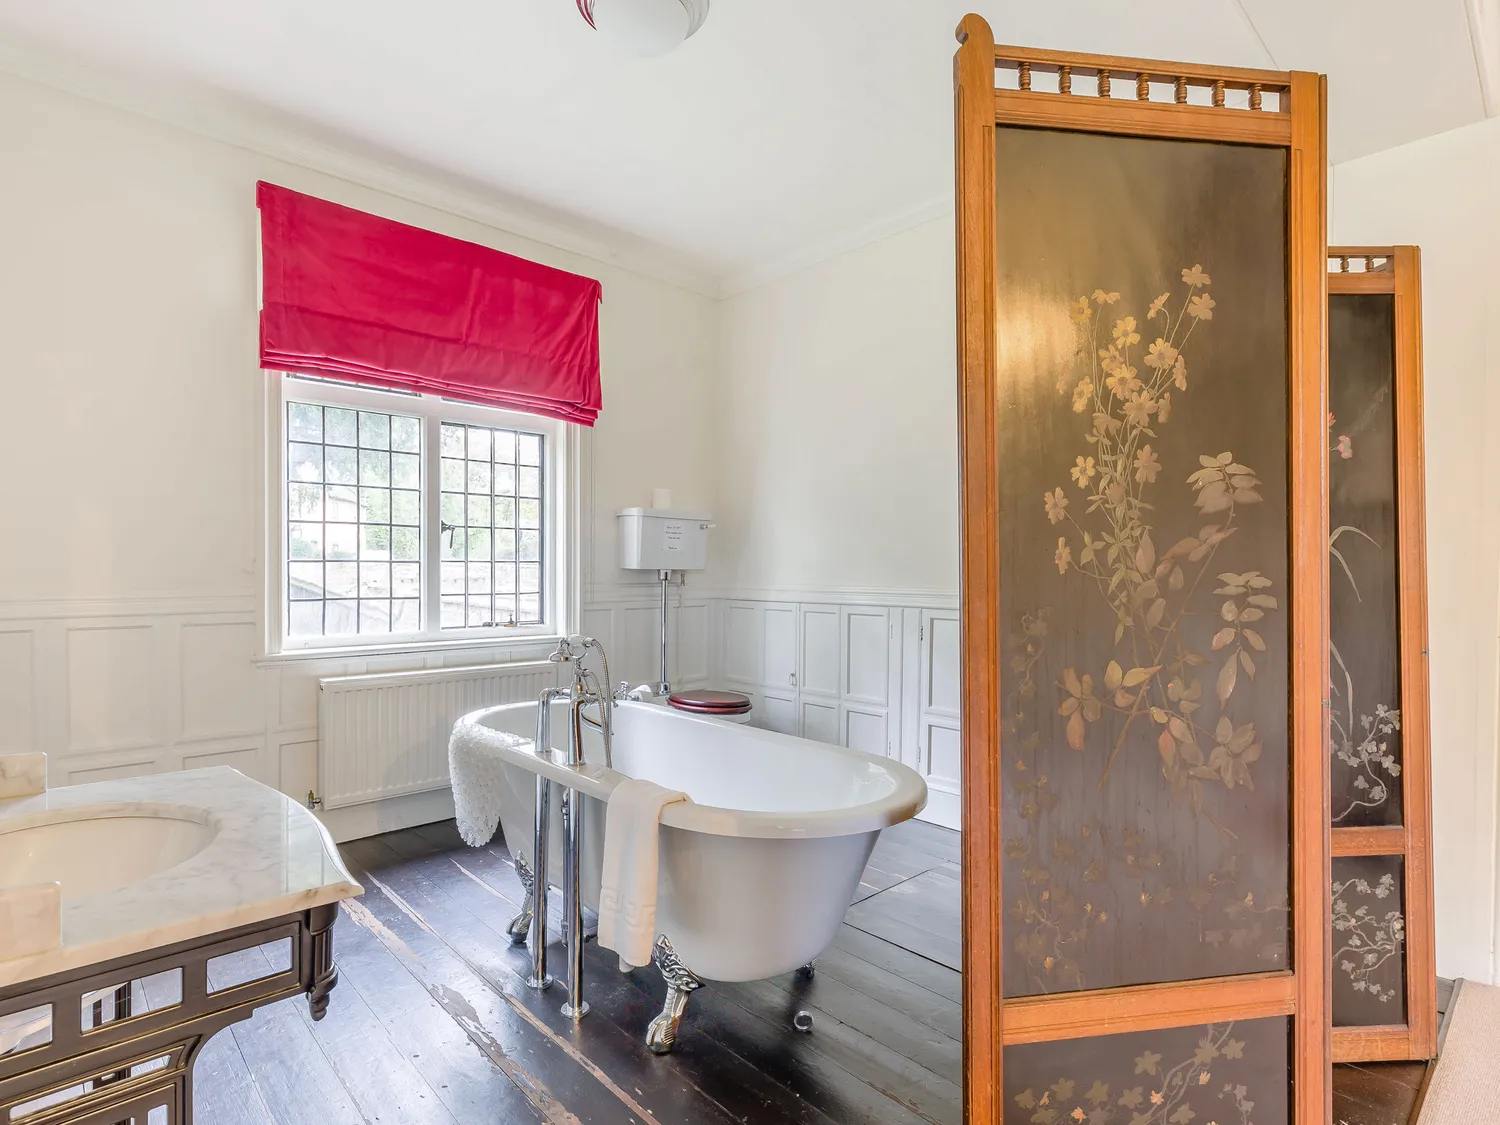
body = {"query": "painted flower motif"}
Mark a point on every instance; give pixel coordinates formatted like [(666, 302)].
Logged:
[(1146, 1064), (1201, 307), (1122, 380), (1195, 276), (1083, 471), (1161, 355), (1139, 409), (1345, 447), (1057, 505), (1081, 311), (1146, 466), (1103, 298), (1164, 407), (1125, 333), (1157, 306), (1064, 556), (1179, 373), (1083, 394)]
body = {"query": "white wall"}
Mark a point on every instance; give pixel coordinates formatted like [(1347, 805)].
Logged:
[(1440, 195), (838, 449), (129, 597)]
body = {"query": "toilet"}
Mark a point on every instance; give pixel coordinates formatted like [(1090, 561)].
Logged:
[(729, 705)]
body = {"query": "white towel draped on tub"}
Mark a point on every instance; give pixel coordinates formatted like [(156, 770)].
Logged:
[(627, 890), (477, 772)]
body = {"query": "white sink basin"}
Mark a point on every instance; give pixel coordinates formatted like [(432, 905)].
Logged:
[(92, 850)]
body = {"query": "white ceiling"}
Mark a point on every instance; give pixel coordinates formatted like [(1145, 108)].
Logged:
[(783, 131)]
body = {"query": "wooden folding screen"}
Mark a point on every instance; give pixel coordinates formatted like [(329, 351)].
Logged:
[(1141, 303), (1383, 970)]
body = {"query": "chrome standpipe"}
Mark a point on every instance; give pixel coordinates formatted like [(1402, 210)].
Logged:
[(663, 687), (538, 936), (540, 835), (575, 1007)]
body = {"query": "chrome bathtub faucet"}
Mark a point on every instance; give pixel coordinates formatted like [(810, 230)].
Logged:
[(586, 690)]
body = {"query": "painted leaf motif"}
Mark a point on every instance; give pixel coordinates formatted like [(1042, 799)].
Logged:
[(1137, 676), (1075, 730), (1257, 642), (1155, 613), (1265, 600), (1113, 675), (1222, 638), (1228, 675), (1166, 747), (1247, 664), (1145, 555)]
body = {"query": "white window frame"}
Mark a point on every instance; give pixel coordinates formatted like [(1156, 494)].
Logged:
[(560, 520)]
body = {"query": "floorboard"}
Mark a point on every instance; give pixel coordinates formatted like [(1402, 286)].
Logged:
[(432, 1024)]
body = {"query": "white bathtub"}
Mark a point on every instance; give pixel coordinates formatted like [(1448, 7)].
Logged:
[(758, 869)]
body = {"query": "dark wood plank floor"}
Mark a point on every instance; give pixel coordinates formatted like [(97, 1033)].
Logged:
[(432, 1024)]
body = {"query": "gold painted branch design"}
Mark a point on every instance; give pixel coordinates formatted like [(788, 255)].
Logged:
[(1368, 936), (1177, 1095)]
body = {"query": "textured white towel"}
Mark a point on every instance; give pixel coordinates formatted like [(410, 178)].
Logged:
[(627, 890), (478, 779)]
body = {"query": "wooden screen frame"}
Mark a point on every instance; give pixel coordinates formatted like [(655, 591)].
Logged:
[(1400, 274), (1298, 125)]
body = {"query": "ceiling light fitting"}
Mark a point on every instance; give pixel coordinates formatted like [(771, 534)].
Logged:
[(644, 27)]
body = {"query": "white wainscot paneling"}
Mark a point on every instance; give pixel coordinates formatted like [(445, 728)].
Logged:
[(867, 649), (219, 689), (942, 762), (297, 767), (640, 644), (821, 649), (17, 692), (691, 657), (243, 754), (865, 730), (742, 643), (820, 721), (112, 686), (779, 657), (778, 713), (944, 686)]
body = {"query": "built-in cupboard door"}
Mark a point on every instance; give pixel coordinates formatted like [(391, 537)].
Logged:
[(1383, 968), (937, 727)]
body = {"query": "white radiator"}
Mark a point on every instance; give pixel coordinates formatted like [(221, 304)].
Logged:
[(386, 734)]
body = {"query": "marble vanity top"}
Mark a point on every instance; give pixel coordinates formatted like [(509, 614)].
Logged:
[(265, 856)]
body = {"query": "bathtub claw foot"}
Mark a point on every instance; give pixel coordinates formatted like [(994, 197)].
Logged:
[(520, 926), (681, 983)]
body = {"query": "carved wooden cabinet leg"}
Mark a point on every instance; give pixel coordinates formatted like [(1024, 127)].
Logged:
[(520, 926), (323, 974), (681, 983)]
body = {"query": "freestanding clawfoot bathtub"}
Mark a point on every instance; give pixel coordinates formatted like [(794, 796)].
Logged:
[(756, 871)]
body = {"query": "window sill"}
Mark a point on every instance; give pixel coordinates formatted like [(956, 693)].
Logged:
[(509, 647)]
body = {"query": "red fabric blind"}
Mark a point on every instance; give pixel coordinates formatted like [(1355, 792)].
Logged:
[(350, 295)]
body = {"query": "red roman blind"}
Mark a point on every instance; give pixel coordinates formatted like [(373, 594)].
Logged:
[(350, 295)]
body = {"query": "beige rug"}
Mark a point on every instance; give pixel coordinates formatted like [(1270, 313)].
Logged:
[(1465, 1086)]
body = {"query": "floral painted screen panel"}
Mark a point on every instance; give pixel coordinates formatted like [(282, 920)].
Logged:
[(1369, 940), (1364, 627), (1227, 1073), (1143, 417)]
